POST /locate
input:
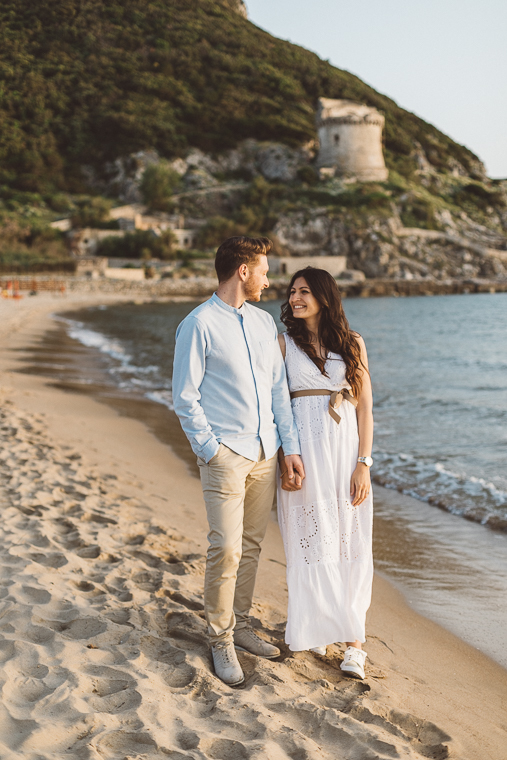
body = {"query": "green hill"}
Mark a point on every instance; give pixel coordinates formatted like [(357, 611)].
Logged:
[(86, 81)]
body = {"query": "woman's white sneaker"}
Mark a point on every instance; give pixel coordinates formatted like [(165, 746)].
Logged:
[(319, 650), (353, 662)]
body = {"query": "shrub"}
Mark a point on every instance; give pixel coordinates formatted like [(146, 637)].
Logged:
[(419, 212), (217, 230), (59, 202), (308, 175), (479, 196), (33, 248), (92, 212), (157, 186), (141, 244)]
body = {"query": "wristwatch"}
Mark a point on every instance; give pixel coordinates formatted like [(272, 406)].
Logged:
[(368, 461)]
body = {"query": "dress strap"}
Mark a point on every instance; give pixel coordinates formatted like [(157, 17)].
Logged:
[(334, 402)]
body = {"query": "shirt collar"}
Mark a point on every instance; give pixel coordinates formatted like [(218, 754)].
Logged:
[(218, 301)]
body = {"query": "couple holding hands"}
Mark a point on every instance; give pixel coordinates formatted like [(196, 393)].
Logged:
[(252, 402)]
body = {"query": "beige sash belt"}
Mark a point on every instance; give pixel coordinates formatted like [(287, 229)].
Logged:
[(334, 402)]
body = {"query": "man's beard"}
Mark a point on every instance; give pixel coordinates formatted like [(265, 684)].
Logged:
[(252, 292)]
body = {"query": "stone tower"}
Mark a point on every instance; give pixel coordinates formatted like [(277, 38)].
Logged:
[(350, 140)]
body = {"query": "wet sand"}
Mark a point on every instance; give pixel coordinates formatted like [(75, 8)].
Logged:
[(102, 631)]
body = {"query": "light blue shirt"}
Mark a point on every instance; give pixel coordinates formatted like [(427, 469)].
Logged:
[(229, 383)]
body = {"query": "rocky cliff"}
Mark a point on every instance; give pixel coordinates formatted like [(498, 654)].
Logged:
[(435, 225)]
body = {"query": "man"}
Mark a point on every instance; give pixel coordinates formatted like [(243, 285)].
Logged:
[(231, 396)]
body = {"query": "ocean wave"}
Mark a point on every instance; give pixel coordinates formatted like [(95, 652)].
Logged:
[(469, 496), (164, 397), (99, 341), (127, 374), (109, 346)]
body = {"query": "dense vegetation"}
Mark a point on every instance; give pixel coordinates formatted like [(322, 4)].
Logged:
[(32, 247), (86, 81)]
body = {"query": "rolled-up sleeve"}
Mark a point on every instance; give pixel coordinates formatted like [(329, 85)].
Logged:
[(188, 373), (282, 408)]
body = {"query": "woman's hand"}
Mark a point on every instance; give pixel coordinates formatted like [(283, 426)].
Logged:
[(292, 471), (291, 484), (360, 484)]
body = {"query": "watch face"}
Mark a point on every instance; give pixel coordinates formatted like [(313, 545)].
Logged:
[(368, 461)]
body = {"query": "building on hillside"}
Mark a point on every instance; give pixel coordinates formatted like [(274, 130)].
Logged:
[(63, 225), (85, 242), (287, 265), (91, 266), (133, 217), (350, 140)]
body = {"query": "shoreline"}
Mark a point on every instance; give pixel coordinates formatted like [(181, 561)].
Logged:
[(202, 287), (416, 666)]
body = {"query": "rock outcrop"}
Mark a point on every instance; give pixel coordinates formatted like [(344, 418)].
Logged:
[(385, 248)]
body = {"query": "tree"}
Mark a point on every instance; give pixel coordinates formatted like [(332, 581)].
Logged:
[(157, 186)]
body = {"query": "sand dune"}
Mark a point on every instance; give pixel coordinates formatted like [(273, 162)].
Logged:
[(103, 640)]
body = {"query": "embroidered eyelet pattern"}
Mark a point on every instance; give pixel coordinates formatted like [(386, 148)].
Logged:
[(323, 532), (319, 524)]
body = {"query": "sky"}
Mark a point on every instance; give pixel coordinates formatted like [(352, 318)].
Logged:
[(444, 60)]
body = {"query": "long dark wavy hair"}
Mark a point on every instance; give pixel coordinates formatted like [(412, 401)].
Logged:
[(334, 331)]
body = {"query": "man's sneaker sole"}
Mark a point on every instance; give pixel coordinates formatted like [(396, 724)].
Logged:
[(264, 656)]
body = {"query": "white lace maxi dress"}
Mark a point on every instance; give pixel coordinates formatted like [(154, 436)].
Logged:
[(327, 540)]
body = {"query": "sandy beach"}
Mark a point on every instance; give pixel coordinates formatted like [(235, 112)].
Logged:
[(102, 636)]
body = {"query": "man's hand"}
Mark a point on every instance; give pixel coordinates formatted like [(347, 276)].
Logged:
[(295, 474)]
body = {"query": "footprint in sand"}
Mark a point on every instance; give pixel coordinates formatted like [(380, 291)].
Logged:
[(180, 673), (35, 634), (37, 539), (84, 628), (7, 650), (119, 590), (112, 690), (89, 552), (77, 629), (96, 518), (186, 626), (85, 586), (125, 744), (36, 595), (147, 581), (225, 749), (149, 559), (49, 560), (24, 689)]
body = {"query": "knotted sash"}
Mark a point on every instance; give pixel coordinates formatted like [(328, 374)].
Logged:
[(334, 402)]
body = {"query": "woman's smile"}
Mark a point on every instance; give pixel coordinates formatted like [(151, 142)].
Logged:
[(301, 300)]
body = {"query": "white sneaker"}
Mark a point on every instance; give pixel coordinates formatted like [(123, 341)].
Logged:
[(226, 663), (353, 662), (319, 650)]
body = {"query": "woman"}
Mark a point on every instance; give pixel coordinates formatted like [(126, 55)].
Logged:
[(326, 521)]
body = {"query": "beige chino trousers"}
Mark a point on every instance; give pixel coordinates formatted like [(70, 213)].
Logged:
[(239, 495)]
